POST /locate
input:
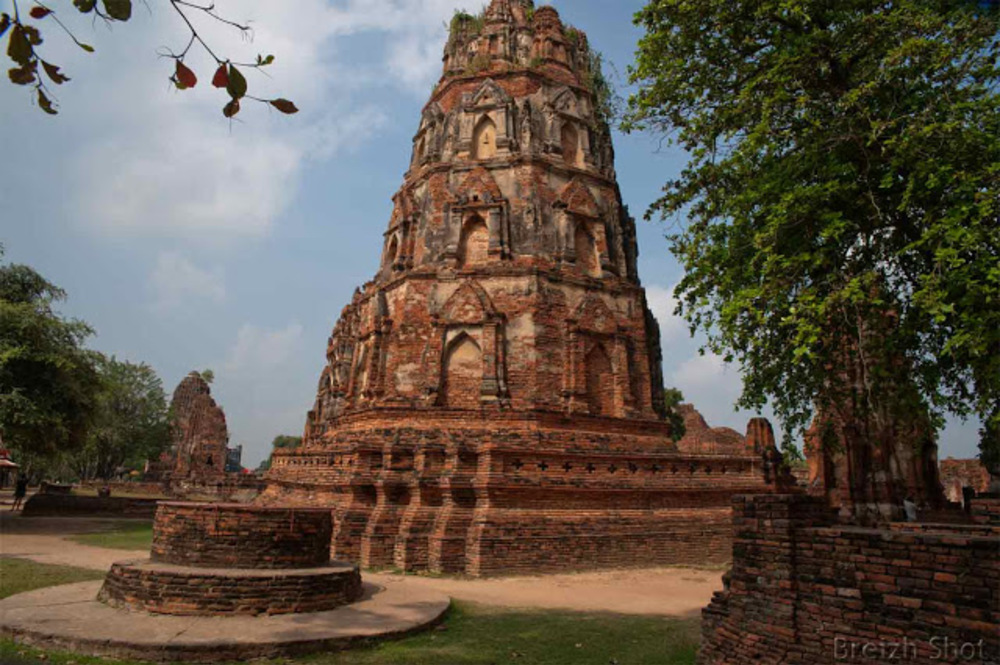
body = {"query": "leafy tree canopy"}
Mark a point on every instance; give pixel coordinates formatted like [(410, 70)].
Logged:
[(208, 376), (25, 22), (48, 382), (673, 398), (286, 441), (131, 423), (843, 192)]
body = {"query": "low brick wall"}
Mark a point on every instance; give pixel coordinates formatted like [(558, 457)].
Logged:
[(179, 590), (241, 536), (985, 510), (41, 505), (804, 591)]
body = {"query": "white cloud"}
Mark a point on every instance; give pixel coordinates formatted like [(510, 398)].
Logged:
[(152, 161), (257, 349), (713, 387), (662, 303), (176, 281)]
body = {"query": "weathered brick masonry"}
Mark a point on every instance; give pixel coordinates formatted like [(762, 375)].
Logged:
[(492, 402), (805, 591), (239, 536), (234, 560)]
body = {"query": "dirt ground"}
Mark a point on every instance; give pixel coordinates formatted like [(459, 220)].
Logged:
[(661, 591)]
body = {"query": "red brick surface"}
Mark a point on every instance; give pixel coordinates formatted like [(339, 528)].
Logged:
[(239, 536), (165, 589), (492, 401), (803, 591)]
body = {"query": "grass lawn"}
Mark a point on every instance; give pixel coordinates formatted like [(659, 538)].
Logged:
[(136, 535), (19, 575), (470, 635)]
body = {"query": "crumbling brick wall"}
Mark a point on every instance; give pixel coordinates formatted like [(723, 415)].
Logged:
[(804, 591)]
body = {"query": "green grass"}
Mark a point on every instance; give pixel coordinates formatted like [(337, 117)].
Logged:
[(122, 536), (470, 635), (19, 575)]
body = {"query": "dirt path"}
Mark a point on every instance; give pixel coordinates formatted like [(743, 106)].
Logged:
[(44, 539), (662, 591)]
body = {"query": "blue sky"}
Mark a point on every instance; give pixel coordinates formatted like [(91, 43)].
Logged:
[(190, 244)]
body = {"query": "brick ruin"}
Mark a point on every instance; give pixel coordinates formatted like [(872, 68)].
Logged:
[(492, 401), (198, 434), (960, 473), (805, 590), (195, 464), (866, 473), (234, 560)]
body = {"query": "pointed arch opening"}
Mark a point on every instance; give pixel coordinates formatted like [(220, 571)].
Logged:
[(570, 144), (392, 252), (600, 382), (361, 372), (484, 139), (587, 260), (474, 245), (462, 375), (418, 155)]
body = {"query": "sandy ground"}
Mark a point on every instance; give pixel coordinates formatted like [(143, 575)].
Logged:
[(660, 591)]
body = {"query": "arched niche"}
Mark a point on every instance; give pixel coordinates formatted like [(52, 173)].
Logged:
[(570, 140), (462, 373), (361, 372), (484, 139), (600, 382), (474, 244), (418, 156), (588, 261), (392, 252)]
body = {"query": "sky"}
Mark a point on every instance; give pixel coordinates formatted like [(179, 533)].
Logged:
[(191, 243)]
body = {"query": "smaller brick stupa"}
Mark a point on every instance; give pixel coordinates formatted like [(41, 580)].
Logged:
[(226, 560)]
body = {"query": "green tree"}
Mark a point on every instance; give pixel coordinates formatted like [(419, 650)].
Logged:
[(673, 398), (285, 441), (24, 47), (49, 383), (208, 376), (131, 423), (842, 196)]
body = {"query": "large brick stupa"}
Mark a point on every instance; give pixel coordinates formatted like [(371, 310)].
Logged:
[(492, 402)]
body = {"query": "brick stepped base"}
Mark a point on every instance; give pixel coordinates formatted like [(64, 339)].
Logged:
[(69, 618), (182, 590)]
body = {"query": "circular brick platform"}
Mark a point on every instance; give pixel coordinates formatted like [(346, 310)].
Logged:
[(161, 588), (70, 618), (240, 536)]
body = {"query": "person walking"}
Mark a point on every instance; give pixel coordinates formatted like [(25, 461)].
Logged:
[(20, 490)]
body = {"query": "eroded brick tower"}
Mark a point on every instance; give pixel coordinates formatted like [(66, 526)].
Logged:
[(492, 400)]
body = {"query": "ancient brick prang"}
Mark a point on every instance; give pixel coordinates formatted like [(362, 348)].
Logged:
[(805, 592), (198, 432), (492, 400)]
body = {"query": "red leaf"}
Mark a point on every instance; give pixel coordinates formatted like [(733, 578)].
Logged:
[(185, 77), (221, 78), (232, 108), (40, 12), (284, 106)]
